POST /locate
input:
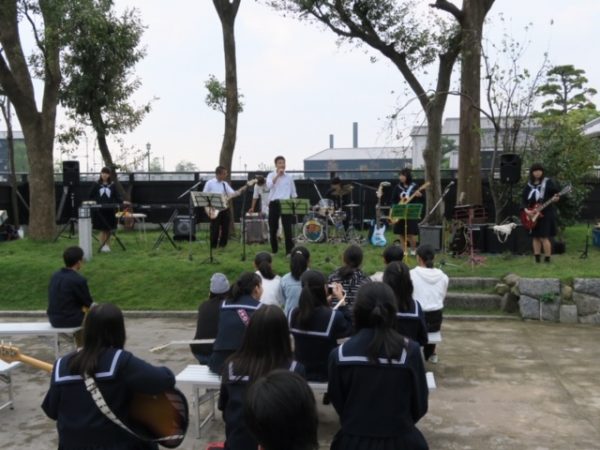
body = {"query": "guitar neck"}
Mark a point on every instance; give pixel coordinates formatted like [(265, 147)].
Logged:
[(34, 362)]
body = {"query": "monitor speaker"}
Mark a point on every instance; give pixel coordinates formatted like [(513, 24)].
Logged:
[(70, 173), (510, 168), (182, 226)]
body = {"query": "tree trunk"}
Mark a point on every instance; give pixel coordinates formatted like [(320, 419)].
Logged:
[(469, 159), (10, 143), (227, 12), (98, 124), (432, 156)]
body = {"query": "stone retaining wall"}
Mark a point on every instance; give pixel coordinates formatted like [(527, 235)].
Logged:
[(549, 299)]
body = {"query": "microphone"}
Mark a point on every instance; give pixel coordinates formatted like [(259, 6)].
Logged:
[(450, 184)]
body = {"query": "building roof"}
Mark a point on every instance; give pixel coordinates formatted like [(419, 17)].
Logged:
[(360, 153), (451, 126), (592, 128)]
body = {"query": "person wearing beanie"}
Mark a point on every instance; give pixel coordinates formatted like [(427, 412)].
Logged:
[(208, 317), (429, 289)]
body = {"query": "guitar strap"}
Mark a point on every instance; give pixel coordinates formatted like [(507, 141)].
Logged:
[(98, 398)]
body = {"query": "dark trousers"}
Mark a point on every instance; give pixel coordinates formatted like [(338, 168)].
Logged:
[(219, 229), (286, 220), (433, 320)]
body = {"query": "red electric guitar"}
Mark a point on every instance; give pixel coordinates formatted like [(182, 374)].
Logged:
[(529, 217)]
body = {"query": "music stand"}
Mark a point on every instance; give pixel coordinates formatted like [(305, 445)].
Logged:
[(165, 231), (295, 206), (406, 212), (191, 215), (208, 200)]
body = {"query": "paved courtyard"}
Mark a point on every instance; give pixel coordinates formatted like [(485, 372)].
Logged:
[(501, 385)]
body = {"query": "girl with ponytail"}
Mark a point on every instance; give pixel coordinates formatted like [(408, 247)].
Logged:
[(270, 281), (290, 282), (377, 366), (430, 287)]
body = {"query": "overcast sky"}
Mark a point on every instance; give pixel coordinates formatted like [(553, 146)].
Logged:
[(298, 85)]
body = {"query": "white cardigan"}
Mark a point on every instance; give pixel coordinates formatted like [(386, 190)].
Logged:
[(430, 286)]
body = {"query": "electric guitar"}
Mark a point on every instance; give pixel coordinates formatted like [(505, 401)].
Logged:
[(213, 212), (405, 200), (530, 216), (161, 418), (378, 228)]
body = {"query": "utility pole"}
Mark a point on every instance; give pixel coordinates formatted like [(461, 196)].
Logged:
[(148, 147)]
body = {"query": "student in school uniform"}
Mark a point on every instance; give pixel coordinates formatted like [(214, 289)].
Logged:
[(266, 346), (377, 381), (391, 253), (350, 275), (234, 317), (290, 282), (410, 319), (316, 327), (271, 282)]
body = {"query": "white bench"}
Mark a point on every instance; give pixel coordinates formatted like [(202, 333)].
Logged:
[(5, 377), (200, 377), (37, 329), (434, 337)]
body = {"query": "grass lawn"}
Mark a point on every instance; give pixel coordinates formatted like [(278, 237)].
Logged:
[(142, 278)]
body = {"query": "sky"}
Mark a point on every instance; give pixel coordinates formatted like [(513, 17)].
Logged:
[(299, 85)]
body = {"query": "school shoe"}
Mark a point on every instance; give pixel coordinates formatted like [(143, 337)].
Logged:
[(105, 249)]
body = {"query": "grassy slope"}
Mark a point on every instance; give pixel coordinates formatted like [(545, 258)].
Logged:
[(141, 278)]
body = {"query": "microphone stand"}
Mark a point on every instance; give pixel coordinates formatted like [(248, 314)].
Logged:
[(191, 214), (437, 204)]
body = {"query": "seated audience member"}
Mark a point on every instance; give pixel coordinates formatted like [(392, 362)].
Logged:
[(208, 317), (316, 327), (349, 275), (290, 282), (271, 283), (410, 320), (430, 287), (68, 293), (234, 317), (266, 346), (377, 381), (117, 373), (390, 254), (281, 412)]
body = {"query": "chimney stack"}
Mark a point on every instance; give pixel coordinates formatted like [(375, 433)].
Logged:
[(331, 141), (354, 134)]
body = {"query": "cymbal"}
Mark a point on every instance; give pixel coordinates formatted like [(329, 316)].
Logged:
[(344, 190), (351, 205)]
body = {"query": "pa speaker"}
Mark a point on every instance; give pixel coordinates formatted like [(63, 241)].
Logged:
[(510, 168), (182, 226), (70, 173)]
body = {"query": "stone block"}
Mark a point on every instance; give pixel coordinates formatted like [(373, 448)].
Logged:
[(590, 286), (537, 287), (586, 304), (502, 288), (568, 314), (509, 303), (529, 307), (593, 319), (551, 311)]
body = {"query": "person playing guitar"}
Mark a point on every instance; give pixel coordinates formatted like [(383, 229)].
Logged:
[(538, 190), (403, 193)]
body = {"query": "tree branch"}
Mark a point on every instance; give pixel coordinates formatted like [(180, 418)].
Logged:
[(445, 5)]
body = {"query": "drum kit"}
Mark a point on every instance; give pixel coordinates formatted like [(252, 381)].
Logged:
[(325, 223)]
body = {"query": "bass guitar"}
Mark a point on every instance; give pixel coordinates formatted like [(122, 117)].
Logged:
[(530, 216), (213, 212), (162, 418), (378, 228)]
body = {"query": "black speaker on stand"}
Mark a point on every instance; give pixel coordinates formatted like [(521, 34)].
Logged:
[(70, 173), (510, 173), (181, 228)]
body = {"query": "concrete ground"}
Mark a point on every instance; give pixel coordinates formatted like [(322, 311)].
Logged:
[(501, 385)]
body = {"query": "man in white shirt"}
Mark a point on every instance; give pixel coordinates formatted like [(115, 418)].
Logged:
[(219, 225), (261, 191), (282, 187)]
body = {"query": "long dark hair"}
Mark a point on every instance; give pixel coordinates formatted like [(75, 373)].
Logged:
[(353, 257), (105, 170), (244, 285), (312, 296), (397, 276), (427, 254), (282, 400), (299, 261), (266, 345), (103, 327), (262, 262), (533, 168), (375, 308), (408, 174)]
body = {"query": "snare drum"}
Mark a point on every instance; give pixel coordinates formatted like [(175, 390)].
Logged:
[(325, 207), (313, 230), (338, 217)]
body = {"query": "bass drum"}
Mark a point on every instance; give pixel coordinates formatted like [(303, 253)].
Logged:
[(313, 230)]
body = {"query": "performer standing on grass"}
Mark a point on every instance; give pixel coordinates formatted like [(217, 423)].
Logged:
[(540, 189), (402, 191), (281, 187), (105, 192), (219, 224)]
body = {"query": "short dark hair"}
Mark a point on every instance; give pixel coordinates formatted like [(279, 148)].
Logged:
[(277, 158), (281, 413), (393, 253), (103, 327), (533, 168), (219, 170), (72, 255), (427, 254), (244, 285)]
